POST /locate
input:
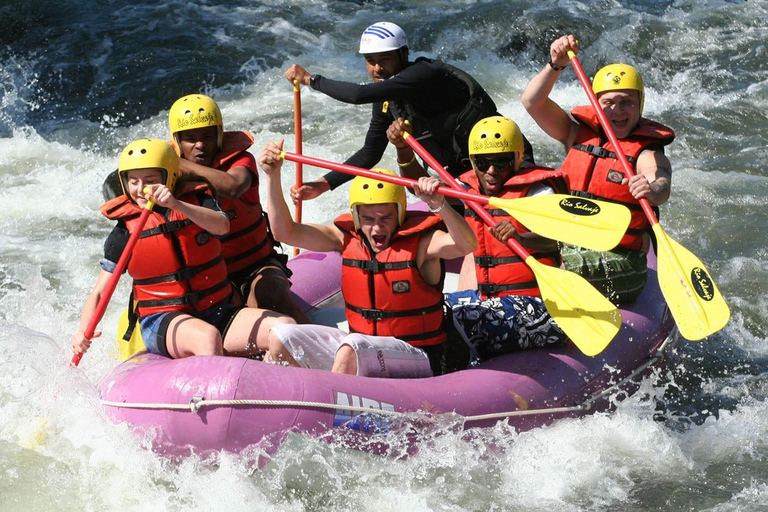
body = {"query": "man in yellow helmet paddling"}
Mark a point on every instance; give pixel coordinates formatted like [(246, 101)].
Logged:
[(392, 277), (594, 169)]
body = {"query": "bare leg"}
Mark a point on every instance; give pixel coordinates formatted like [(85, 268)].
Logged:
[(248, 334), (190, 336), (277, 352), (345, 361), (271, 290)]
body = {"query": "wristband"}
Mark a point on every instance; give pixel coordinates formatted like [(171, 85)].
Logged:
[(407, 164), (554, 66)]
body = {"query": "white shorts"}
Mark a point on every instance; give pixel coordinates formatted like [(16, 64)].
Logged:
[(315, 346)]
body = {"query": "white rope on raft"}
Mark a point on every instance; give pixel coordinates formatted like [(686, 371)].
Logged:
[(197, 402)]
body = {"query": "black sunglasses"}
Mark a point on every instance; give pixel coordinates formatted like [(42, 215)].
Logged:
[(483, 163)]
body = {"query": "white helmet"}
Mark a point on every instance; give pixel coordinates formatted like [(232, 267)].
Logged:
[(382, 37)]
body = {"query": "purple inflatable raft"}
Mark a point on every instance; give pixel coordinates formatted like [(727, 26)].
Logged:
[(206, 404)]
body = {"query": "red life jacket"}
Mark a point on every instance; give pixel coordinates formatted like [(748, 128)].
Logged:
[(595, 172), (384, 293), (176, 265), (499, 270), (249, 240)]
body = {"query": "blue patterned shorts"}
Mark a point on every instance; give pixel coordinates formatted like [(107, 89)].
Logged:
[(503, 324)]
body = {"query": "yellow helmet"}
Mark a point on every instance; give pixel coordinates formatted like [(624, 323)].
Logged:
[(195, 111), (614, 77), (149, 154), (496, 134), (369, 191)]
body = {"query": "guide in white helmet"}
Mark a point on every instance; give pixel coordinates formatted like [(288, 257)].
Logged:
[(441, 103)]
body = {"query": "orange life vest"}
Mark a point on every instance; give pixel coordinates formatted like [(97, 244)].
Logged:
[(176, 265), (249, 240), (499, 270), (595, 171), (384, 293)]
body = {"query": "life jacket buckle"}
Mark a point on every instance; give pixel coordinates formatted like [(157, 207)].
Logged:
[(485, 261), (372, 314)]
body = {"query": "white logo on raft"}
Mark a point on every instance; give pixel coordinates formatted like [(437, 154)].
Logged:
[(364, 422)]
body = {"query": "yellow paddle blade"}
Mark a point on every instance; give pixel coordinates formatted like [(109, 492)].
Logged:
[(596, 225), (132, 346), (691, 294), (588, 318)]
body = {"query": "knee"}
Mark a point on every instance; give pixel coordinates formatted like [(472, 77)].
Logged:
[(209, 343), (280, 320), (345, 360)]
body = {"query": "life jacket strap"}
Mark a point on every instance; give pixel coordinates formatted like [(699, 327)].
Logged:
[(378, 266), (378, 314), (181, 275)]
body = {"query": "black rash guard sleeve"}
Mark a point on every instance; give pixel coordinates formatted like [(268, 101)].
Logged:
[(115, 243), (415, 80)]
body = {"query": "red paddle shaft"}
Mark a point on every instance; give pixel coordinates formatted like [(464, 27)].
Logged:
[(101, 307)]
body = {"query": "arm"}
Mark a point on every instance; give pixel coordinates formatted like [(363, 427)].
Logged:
[(549, 115), (459, 240), (413, 79), (504, 230), (467, 274), (653, 178), (215, 222), (409, 165), (373, 148), (315, 237), (230, 184), (79, 343)]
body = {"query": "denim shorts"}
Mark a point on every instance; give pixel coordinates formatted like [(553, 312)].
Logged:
[(154, 327)]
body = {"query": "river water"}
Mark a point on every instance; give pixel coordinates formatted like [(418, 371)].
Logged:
[(78, 82)]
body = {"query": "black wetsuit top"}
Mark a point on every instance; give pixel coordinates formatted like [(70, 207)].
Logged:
[(425, 88)]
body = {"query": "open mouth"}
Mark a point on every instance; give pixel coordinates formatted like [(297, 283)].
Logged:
[(491, 184), (379, 239), (621, 123)]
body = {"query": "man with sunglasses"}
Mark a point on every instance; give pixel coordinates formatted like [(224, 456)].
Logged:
[(500, 308), (441, 102)]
